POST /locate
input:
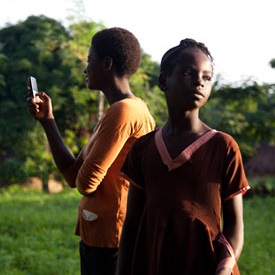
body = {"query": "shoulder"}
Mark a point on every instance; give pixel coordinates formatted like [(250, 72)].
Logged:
[(128, 116), (148, 136), (225, 138), (224, 142), (143, 145), (133, 112), (128, 104), (128, 108), (146, 139)]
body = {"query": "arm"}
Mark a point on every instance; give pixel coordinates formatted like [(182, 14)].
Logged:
[(233, 230), (42, 111), (108, 141), (235, 184), (135, 208)]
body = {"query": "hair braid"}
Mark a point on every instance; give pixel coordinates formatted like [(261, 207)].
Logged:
[(170, 56)]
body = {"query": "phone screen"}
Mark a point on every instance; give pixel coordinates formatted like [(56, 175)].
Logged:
[(33, 86)]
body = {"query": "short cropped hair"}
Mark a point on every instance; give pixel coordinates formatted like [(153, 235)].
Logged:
[(122, 46)]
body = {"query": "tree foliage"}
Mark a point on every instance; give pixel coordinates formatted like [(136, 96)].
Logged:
[(272, 63), (43, 47), (245, 112), (31, 47)]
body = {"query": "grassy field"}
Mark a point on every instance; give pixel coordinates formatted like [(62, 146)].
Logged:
[(37, 234), (258, 257)]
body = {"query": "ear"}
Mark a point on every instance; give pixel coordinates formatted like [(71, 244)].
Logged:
[(162, 82), (108, 63)]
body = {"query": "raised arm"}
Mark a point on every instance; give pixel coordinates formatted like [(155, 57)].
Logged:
[(42, 111)]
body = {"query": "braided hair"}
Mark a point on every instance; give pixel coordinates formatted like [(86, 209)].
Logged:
[(170, 57)]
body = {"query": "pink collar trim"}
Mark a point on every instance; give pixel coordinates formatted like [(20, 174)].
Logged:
[(185, 155)]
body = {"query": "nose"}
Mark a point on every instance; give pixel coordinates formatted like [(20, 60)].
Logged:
[(198, 80), (85, 70)]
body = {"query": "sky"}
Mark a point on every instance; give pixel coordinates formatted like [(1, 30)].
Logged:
[(240, 34)]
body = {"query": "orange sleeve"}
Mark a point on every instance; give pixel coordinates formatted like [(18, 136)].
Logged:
[(118, 124)]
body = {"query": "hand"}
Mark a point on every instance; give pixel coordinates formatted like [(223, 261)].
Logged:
[(40, 109)]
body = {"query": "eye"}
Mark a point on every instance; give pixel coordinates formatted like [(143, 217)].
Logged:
[(186, 73), (207, 77)]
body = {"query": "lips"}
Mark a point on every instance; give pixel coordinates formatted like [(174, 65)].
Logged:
[(198, 93)]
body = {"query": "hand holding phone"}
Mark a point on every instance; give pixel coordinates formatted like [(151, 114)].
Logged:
[(32, 84)]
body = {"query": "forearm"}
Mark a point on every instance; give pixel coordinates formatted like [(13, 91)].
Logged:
[(62, 156), (233, 228), (230, 242), (234, 234)]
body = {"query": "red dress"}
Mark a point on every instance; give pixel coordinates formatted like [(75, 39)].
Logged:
[(182, 216)]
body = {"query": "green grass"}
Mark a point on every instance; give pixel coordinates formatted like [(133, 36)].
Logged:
[(37, 233), (258, 256)]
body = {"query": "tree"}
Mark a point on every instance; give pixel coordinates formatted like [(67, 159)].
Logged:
[(272, 63), (145, 85), (56, 55), (42, 47), (245, 111)]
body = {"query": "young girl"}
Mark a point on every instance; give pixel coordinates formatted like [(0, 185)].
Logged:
[(184, 213), (114, 56)]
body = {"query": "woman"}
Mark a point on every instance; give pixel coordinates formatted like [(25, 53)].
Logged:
[(114, 56), (185, 177)]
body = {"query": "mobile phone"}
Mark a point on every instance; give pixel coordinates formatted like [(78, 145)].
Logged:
[(32, 84)]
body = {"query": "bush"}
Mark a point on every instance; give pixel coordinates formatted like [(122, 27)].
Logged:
[(262, 186)]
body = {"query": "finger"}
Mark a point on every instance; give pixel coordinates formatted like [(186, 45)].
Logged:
[(42, 96), (30, 100)]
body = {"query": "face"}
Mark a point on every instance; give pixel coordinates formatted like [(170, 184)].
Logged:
[(190, 83), (94, 70)]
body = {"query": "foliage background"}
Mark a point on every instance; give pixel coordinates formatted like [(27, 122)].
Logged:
[(56, 55), (37, 228)]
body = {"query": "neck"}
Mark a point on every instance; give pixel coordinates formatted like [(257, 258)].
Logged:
[(183, 120), (118, 95), (118, 90), (185, 124)]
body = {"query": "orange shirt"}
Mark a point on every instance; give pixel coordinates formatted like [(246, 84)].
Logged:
[(96, 170)]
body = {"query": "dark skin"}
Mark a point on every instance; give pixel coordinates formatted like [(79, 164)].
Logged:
[(191, 82), (100, 75), (187, 88)]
